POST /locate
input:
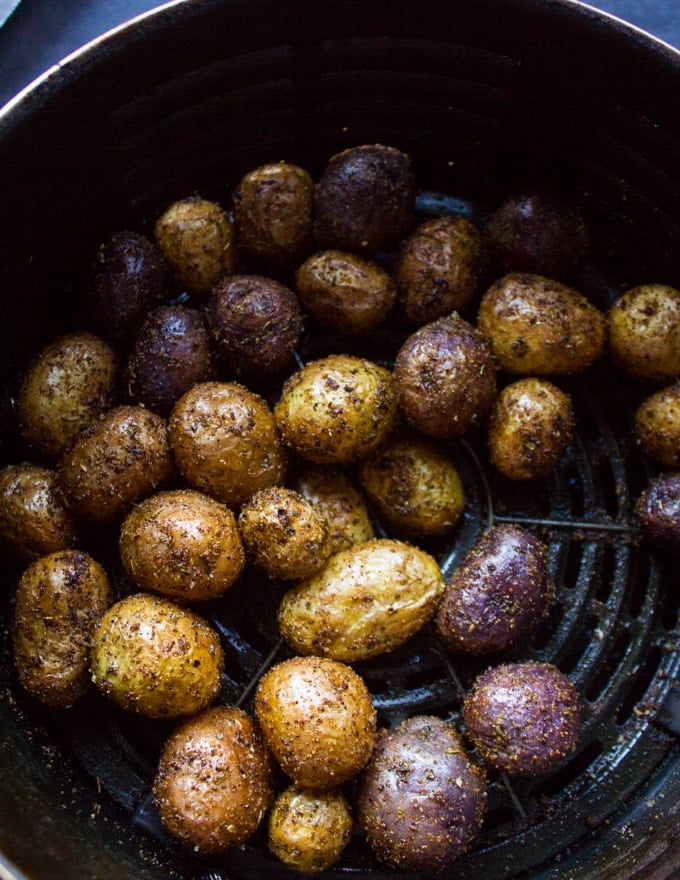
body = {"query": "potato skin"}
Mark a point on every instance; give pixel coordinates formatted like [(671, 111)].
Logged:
[(71, 382), (182, 544), (658, 511), (156, 659), (538, 326), (657, 426), (117, 461), (214, 781), (422, 799), (644, 332), (59, 601), (367, 600), (318, 719)]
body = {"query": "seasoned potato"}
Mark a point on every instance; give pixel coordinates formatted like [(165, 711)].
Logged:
[(658, 510), (337, 409), (439, 268), (499, 592), (524, 718), (182, 544), (413, 485), (644, 332), (531, 425), (367, 600), (657, 426), (67, 386), (342, 291), (422, 799), (156, 659), (445, 378), (34, 518), (59, 600), (318, 719), (284, 534), (116, 462), (308, 830), (273, 215), (340, 502), (540, 326), (225, 441), (196, 238), (213, 784)]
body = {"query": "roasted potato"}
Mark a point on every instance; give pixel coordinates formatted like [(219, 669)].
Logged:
[(214, 781), (422, 799), (657, 426), (59, 601), (658, 511), (154, 658), (318, 719), (182, 544), (365, 601)]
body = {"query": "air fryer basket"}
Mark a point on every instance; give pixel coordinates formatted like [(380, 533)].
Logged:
[(487, 96)]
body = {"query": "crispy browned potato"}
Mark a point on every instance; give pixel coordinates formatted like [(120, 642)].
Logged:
[(59, 601), (657, 426), (644, 332), (214, 781)]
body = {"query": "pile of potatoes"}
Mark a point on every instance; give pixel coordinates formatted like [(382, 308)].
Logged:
[(179, 422)]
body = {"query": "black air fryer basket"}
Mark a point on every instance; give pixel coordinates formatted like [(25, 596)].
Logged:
[(488, 97)]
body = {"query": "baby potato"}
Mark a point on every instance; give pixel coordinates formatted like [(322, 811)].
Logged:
[(658, 511), (337, 409), (644, 332), (445, 378), (345, 292), (365, 601), (338, 500), (225, 441), (308, 830), (59, 600), (117, 461), (422, 799), (318, 719), (531, 425), (214, 781), (151, 657), (284, 534), (34, 518), (538, 326), (182, 544), (657, 426), (439, 268), (414, 486), (72, 381), (196, 238)]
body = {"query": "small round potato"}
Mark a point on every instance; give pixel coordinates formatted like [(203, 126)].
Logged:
[(308, 830), (531, 425), (66, 387), (644, 332), (658, 510), (538, 326), (337, 409), (422, 799), (214, 781), (59, 601), (345, 292), (225, 441), (34, 518), (318, 719), (117, 461), (196, 238), (182, 544), (156, 659), (657, 426), (284, 534)]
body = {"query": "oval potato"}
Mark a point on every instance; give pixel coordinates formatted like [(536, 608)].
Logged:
[(657, 426), (644, 332)]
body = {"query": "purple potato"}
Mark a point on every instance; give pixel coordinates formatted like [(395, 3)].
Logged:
[(658, 509)]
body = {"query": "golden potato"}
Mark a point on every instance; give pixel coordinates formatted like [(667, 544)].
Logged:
[(308, 830), (337, 409), (657, 426), (318, 719), (644, 332), (66, 387), (156, 659), (225, 441), (59, 601), (182, 544), (365, 601), (539, 326), (213, 784)]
